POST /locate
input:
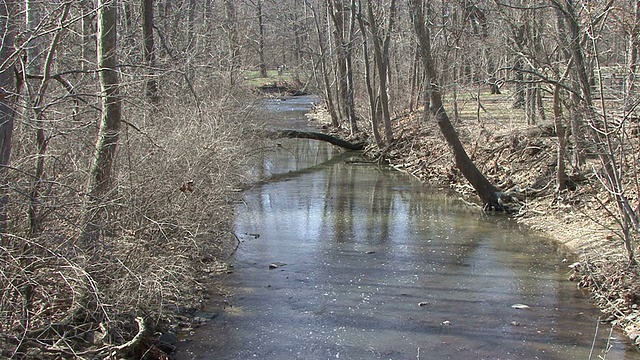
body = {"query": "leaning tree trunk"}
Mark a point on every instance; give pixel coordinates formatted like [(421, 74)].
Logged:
[(101, 178), (486, 191)]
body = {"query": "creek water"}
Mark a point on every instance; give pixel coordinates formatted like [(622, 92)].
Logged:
[(344, 260)]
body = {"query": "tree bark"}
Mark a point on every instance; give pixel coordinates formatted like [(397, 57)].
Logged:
[(561, 174), (263, 64), (231, 26), (381, 50), (7, 107), (367, 74), (485, 190), (343, 37), (149, 50), (632, 56), (101, 176)]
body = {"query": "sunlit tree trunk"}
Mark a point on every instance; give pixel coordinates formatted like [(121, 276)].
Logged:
[(101, 176)]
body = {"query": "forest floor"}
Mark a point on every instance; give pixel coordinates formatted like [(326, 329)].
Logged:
[(522, 159)]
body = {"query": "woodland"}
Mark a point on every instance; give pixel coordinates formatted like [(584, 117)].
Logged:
[(128, 128)]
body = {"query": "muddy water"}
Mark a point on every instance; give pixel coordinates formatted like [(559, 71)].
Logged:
[(341, 260)]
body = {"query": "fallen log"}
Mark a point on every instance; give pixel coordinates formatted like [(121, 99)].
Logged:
[(298, 134)]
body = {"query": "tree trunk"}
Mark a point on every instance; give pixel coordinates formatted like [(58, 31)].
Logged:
[(367, 74), (381, 50), (37, 104), (632, 56), (88, 35), (101, 177), (486, 191), (149, 50), (263, 64), (231, 26), (561, 174), (343, 39), (335, 121), (7, 107)]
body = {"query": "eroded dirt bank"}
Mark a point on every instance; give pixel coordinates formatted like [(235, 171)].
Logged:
[(522, 161)]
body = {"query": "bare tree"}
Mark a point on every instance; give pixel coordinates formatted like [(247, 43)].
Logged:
[(373, 108), (598, 124), (324, 68), (486, 191), (342, 12), (101, 177), (381, 40)]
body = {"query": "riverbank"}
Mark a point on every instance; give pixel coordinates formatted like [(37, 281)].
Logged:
[(522, 160)]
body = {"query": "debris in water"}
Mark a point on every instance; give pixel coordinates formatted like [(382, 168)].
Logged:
[(276, 265)]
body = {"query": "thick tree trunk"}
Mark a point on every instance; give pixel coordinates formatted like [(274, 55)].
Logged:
[(343, 37), (7, 108), (486, 191), (101, 177), (231, 26), (149, 50)]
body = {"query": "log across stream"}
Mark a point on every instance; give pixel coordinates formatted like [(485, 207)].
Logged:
[(314, 135)]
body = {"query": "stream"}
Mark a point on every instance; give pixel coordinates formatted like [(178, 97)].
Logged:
[(345, 260)]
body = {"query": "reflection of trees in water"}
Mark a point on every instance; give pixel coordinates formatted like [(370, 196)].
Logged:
[(293, 155)]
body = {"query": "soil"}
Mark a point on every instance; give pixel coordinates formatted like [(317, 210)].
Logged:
[(521, 161)]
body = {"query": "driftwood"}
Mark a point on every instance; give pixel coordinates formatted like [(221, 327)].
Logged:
[(298, 134)]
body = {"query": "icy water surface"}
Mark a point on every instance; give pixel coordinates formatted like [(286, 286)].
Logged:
[(344, 260)]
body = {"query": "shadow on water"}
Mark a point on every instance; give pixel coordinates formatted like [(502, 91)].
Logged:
[(373, 265)]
